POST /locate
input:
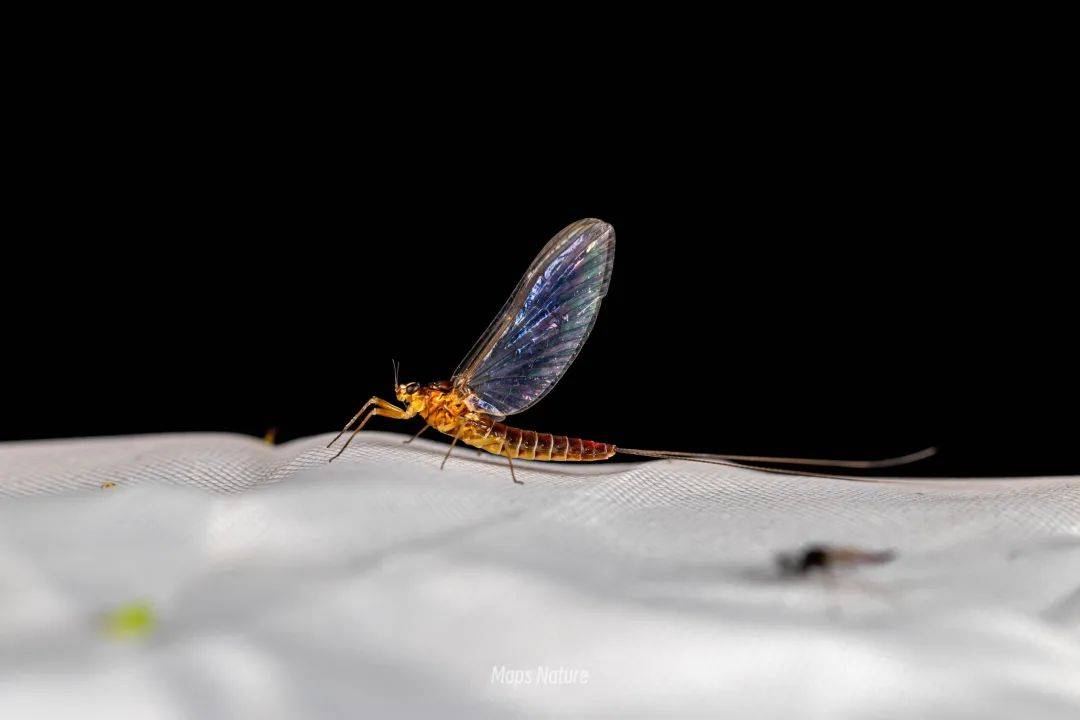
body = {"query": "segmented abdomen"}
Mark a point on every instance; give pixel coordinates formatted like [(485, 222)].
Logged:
[(515, 443), (452, 417)]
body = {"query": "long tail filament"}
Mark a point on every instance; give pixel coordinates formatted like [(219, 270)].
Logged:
[(708, 457)]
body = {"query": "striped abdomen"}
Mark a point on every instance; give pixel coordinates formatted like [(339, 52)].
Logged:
[(516, 443), (448, 413)]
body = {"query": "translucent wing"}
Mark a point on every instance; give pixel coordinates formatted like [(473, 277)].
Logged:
[(543, 324)]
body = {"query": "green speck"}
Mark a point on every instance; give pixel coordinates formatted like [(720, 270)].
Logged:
[(131, 621)]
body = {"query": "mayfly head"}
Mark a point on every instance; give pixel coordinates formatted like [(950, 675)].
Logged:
[(407, 392)]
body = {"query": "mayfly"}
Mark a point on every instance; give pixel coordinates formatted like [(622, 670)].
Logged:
[(523, 354)]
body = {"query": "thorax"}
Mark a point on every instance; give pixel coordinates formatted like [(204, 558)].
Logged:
[(446, 410)]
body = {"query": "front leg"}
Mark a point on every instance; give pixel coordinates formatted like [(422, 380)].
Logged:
[(375, 400), (383, 408)]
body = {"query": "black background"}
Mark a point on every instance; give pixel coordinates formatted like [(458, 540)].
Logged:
[(831, 274)]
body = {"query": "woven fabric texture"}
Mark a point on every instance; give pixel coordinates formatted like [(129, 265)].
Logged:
[(378, 586)]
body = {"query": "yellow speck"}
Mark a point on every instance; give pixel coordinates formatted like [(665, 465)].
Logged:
[(270, 436), (108, 485), (132, 621)]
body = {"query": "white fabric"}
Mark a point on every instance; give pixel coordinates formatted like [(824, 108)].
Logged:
[(378, 586)]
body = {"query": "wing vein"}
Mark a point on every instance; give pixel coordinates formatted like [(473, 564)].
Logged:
[(545, 322)]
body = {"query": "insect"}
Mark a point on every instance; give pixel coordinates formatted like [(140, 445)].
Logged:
[(523, 354), (828, 557)]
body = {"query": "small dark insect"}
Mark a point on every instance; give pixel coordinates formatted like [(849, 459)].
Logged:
[(828, 557)]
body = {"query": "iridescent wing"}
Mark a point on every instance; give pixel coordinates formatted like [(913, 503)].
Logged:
[(543, 324)]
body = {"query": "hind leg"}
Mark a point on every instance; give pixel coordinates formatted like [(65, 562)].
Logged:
[(512, 475)]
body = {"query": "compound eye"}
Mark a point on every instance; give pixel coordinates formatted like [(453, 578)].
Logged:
[(412, 387)]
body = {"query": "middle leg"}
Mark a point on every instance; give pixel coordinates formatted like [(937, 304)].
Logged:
[(418, 433), (452, 444)]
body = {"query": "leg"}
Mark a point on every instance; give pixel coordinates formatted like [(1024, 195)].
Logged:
[(418, 433), (512, 476), (390, 411), (447, 457), (832, 607), (373, 401)]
